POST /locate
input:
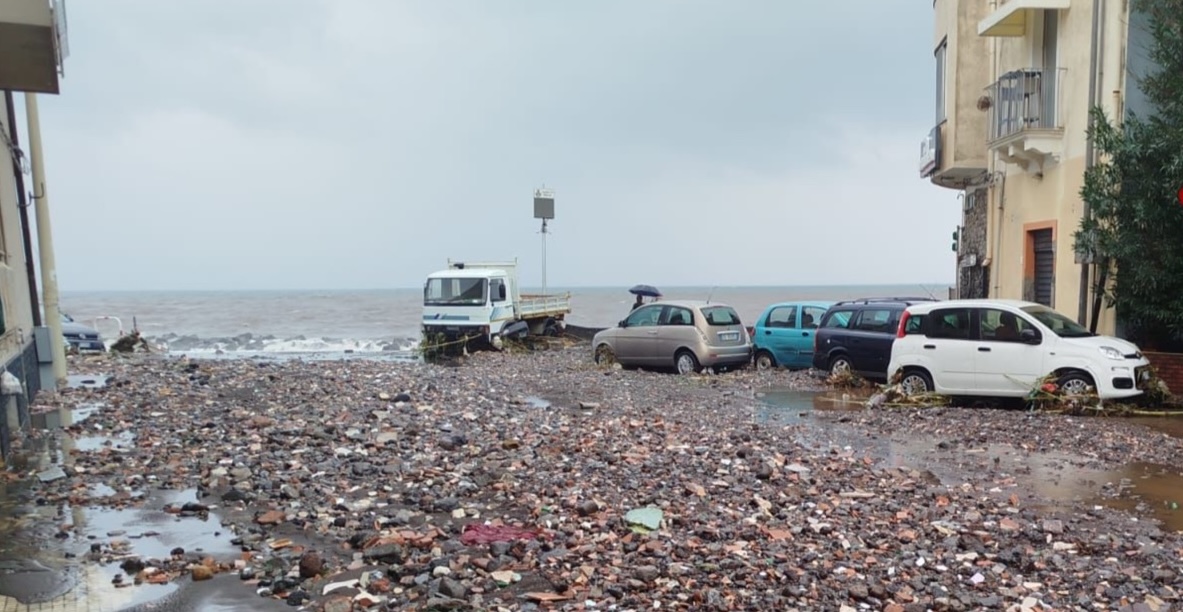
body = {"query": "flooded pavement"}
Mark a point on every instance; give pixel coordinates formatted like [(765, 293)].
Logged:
[(107, 558), (793, 406), (1051, 480)]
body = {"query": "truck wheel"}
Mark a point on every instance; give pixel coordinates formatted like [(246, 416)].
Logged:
[(497, 342)]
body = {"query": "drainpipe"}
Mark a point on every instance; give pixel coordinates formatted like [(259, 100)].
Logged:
[(1090, 161), (23, 207), (49, 281)]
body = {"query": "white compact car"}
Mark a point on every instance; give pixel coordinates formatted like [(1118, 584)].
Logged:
[(1002, 348)]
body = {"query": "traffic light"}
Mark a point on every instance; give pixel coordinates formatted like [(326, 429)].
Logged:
[(956, 238)]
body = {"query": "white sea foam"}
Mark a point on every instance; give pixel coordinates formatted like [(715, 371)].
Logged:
[(247, 345)]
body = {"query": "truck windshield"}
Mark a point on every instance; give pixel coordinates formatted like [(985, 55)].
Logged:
[(455, 292)]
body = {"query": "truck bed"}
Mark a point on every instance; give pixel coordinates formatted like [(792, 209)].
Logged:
[(539, 306)]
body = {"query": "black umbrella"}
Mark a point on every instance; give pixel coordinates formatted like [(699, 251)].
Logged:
[(645, 290)]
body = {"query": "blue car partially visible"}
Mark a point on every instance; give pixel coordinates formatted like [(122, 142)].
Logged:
[(783, 335), (81, 337)]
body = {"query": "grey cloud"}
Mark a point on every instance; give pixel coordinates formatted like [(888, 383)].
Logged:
[(357, 143)]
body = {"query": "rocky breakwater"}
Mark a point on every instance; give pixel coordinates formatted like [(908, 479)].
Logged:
[(370, 485)]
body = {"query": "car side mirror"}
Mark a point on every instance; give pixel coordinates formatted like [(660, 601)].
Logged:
[(1029, 336), (622, 323)]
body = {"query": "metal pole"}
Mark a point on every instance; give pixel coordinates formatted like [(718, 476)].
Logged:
[(544, 257), (23, 204), (49, 281)]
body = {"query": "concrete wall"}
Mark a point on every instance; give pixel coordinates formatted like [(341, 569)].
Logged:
[(1026, 200), (14, 284)]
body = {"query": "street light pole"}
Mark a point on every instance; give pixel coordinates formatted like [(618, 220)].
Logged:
[(49, 281)]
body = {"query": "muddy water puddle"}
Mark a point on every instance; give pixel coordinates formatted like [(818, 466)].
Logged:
[(792, 406), (1056, 480)]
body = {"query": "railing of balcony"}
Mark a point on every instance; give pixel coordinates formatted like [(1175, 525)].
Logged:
[(1025, 99)]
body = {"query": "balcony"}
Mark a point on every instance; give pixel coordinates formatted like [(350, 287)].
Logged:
[(1010, 18), (32, 44), (952, 155), (1023, 123)]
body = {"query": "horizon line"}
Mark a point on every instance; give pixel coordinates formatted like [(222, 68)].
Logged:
[(525, 286)]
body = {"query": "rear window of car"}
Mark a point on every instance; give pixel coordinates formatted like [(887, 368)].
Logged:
[(914, 325), (838, 319), (720, 315)]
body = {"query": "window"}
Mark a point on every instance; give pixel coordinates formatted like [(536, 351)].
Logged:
[(497, 290), (914, 325), (839, 319), (940, 60), (783, 316), (720, 315), (950, 323), (676, 315), (455, 292), (811, 316), (1060, 324), (1001, 326), (1049, 73), (874, 320), (645, 316)]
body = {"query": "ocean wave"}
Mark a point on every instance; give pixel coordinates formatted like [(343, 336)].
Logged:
[(249, 343)]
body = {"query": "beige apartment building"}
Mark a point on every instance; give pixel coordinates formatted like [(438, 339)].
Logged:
[(1015, 80), (32, 45)]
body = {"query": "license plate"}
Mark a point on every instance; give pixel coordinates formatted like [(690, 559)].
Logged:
[(728, 336)]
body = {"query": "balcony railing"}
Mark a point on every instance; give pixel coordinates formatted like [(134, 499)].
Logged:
[(1025, 99)]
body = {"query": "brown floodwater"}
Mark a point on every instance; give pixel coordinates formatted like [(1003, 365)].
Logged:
[(1143, 489), (786, 406), (1172, 425)]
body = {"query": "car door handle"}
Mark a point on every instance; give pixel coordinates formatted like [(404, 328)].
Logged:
[(930, 347), (653, 333), (983, 349), (768, 332), (805, 334)]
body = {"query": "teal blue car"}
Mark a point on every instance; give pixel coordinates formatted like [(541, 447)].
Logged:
[(783, 335)]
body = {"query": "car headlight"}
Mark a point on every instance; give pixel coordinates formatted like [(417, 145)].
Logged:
[(1111, 352)]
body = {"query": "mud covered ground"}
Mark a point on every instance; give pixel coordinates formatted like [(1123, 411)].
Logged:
[(522, 481)]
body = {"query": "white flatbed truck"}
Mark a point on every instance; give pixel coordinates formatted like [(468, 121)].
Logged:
[(482, 302)]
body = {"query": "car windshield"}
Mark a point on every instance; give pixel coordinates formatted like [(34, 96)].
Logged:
[(1060, 324), (718, 316), (455, 292)]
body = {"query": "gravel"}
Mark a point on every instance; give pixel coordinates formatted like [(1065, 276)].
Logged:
[(523, 481)]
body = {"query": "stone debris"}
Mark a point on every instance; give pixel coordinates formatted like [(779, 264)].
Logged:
[(356, 485)]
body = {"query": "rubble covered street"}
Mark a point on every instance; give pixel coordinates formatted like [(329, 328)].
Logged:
[(541, 481)]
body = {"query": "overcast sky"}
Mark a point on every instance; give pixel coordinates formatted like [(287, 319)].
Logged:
[(276, 144)]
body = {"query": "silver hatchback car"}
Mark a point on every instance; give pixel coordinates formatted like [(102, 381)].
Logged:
[(686, 335)]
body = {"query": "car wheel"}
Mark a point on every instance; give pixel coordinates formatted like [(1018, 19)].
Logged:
[(840, 363), (1075, 383), (604, 355), (765, 360), (916, 382), (686, 362)]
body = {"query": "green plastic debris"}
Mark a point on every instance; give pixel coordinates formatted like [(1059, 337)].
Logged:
[(1174, 505), (644, 520)]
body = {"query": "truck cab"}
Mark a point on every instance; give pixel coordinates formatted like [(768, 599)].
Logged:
[(482, 301)]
